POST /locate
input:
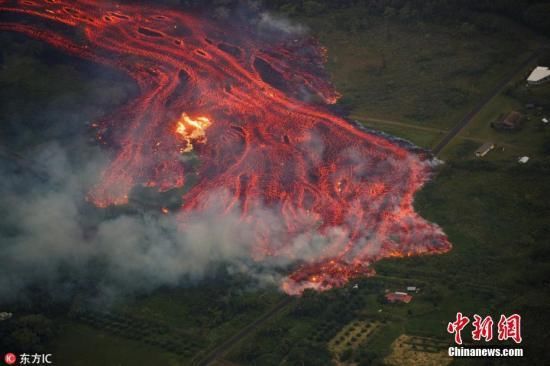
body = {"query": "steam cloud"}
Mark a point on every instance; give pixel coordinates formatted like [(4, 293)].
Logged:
[(277, 24), (53, 238)]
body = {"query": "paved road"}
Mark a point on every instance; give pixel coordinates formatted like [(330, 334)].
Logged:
[(224, 347), (470, 116)]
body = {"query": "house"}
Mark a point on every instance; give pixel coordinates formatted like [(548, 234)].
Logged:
[(510, 121), (397, 296), (523, 159), (545, 120), (484, 149), (539, 75), (412, 288)]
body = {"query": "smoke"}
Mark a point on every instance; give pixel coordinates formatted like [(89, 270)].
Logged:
[(53, 238), (268, 22)]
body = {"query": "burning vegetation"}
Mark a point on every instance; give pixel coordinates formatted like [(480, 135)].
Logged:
[(192, 130), (343, 196)]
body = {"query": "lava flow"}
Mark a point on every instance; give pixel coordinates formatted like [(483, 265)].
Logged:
[(250, 106)]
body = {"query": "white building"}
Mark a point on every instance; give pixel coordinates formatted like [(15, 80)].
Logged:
[(545, 120), (523, 159), (484, 149), (539, 75)]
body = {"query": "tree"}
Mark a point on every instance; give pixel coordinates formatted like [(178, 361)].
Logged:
[(537, 16), (405, 13), (25, 339), (314, 7), (389, 12), (346, 355), (467, 28), (309, 355), (546, 146)]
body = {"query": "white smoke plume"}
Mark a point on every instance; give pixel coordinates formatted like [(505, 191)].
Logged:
[(53, 238), (279, 24)]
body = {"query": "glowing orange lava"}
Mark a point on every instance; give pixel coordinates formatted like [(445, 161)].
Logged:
[(274, 146), (192, 130)]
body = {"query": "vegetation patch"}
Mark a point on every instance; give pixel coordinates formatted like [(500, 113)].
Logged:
[(352, 336), (410, 350)]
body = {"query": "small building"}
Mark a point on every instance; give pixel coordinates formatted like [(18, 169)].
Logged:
[(523, 159), (510, 121), (539, 75), (397, 296), (484, 149), (545, 120), (412, 288)]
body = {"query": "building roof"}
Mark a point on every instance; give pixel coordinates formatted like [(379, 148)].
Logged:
[(512, 118), (509, 121), (539, 73), (399, 296), (523, 159), (485, 147)]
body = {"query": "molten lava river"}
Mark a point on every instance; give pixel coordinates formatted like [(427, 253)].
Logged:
[(253, 109)]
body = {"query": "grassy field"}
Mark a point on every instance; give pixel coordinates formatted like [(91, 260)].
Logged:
[(407, 350), (529, 140), (427, 74), (81, 345), (351, 336), (421, 136)]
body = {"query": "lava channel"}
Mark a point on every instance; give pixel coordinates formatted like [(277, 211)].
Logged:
[(254, 111)]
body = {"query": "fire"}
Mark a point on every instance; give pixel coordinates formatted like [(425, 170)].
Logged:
[(317, 173), (192, 130)]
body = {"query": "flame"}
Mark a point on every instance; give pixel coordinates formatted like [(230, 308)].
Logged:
[(192, 130)]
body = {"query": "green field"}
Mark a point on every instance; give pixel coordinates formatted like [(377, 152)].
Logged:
[(530, 140), (79, 345), (424, 73)]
